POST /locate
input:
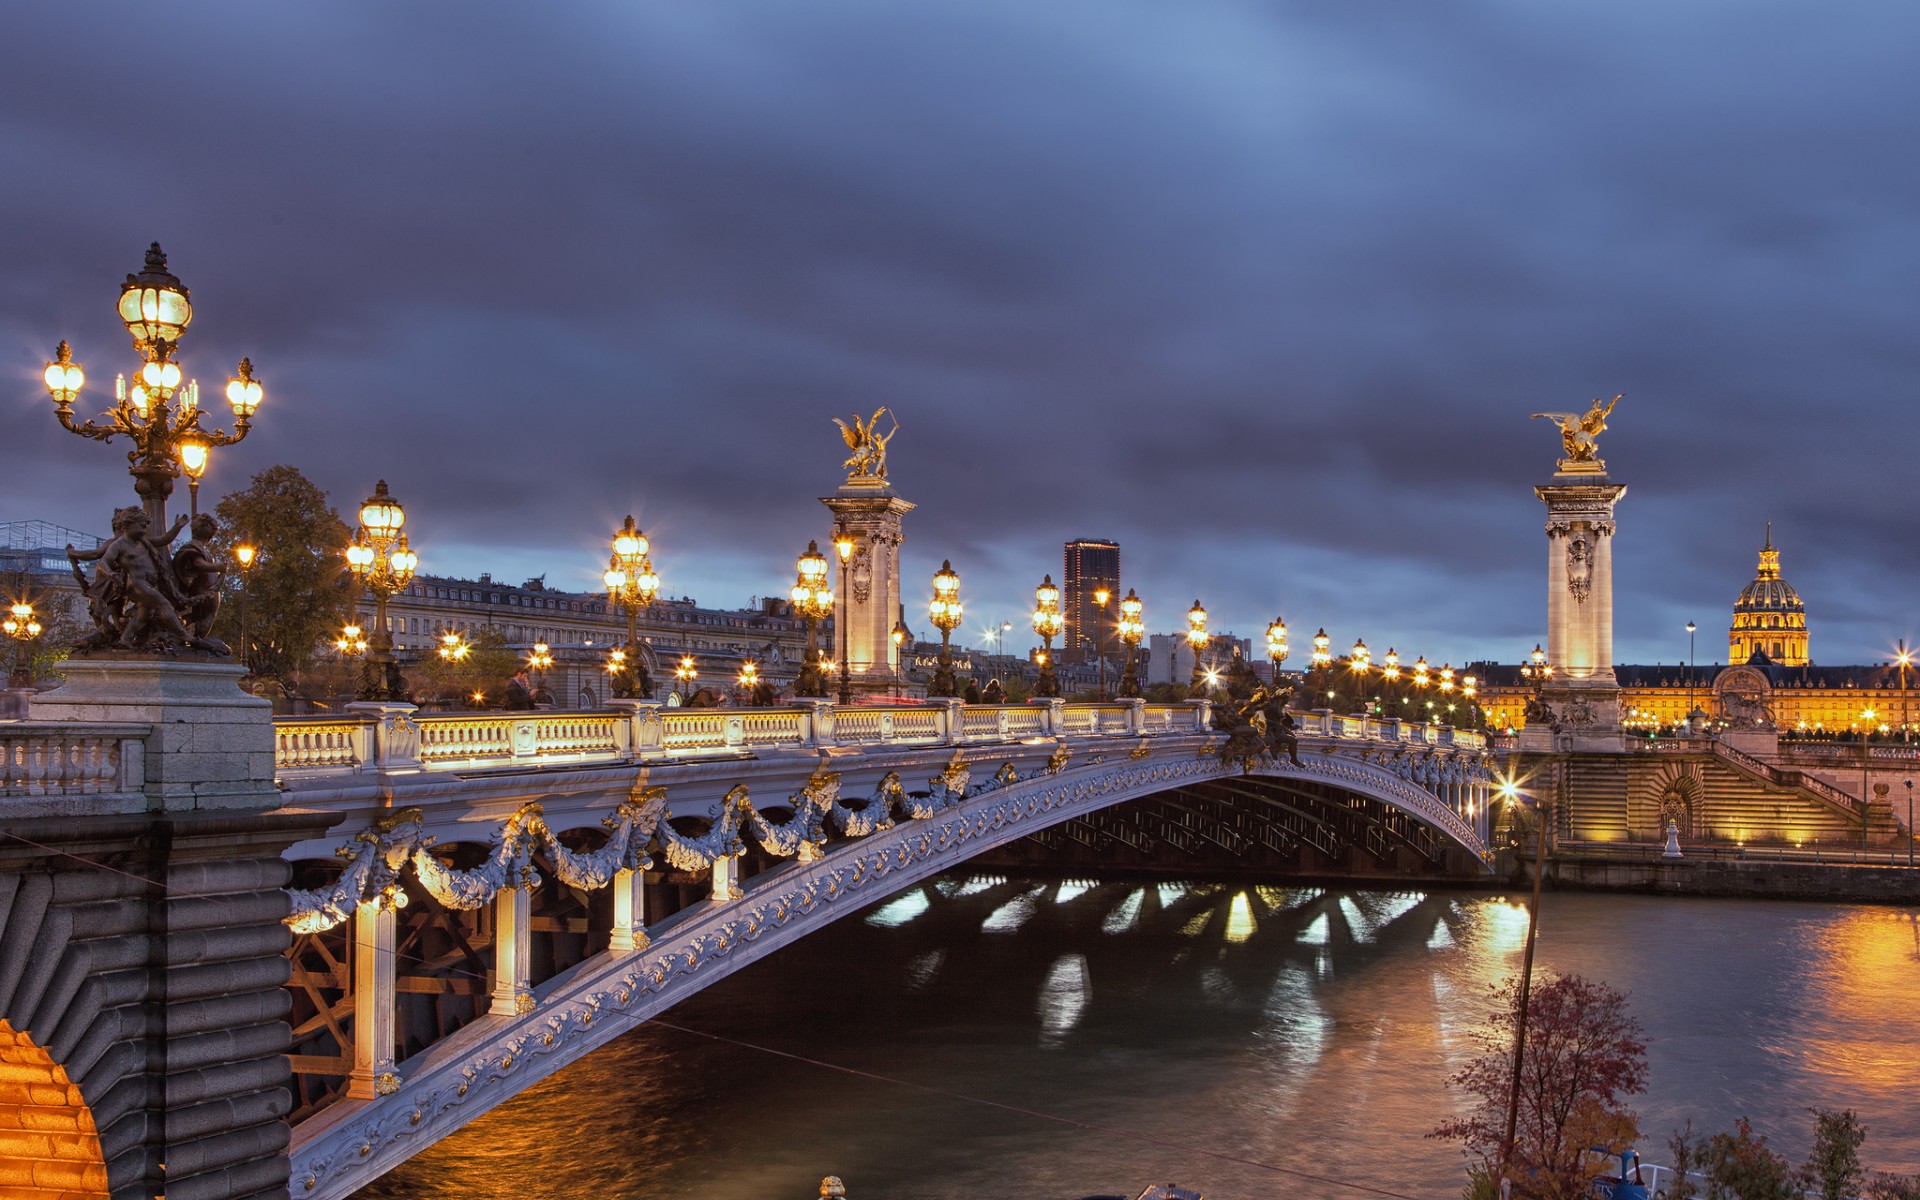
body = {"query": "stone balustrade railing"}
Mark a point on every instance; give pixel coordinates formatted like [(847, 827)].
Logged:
[(1323, 723), (403, 740), (43, 763)]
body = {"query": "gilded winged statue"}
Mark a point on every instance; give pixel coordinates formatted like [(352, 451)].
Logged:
[(869, 446), (1579, 430)]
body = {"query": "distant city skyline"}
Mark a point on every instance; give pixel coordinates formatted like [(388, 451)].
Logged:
[(1264, 294)]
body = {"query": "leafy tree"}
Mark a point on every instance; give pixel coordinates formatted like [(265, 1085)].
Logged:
[(1685, 1150), (1740, 1167), (1833, 1171), (298, 593), (1583, 1055)]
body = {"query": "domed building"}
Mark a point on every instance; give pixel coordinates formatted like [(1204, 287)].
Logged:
[(1769, 619)]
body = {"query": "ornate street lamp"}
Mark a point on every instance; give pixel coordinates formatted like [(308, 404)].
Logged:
[(22, 626), (1131, 629), (843, 549), (684, 675), (383, 563), (749, 678), (946, 613), (812, 599), (1197, 641), (1276, 649), (1048, 621), (160, 413), (1422, 673), (540, 658), (454, 648), (244, 552), (632, 585)]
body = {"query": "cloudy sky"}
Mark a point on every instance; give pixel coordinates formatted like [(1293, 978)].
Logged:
[(1263, 291)]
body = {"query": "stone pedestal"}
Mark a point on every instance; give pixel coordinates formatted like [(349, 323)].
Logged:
[(143, 938), (211, 745), (866, 599), (1583, 691)]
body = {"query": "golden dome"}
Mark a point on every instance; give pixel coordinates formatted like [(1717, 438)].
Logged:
[(1769, 618)]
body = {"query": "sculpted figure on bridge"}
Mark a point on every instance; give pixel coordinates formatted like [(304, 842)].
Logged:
[(869, 457), (1579, 431)]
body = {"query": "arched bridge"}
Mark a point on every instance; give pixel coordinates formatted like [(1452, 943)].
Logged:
[(517, 889)]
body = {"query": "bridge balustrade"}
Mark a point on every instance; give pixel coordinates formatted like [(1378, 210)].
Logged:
[(55, 759)]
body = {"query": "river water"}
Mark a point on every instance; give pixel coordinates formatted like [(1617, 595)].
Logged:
[(1038, 1040)]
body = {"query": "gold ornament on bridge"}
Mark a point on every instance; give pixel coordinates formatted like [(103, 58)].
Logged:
[(1579, 433), (868, 461)]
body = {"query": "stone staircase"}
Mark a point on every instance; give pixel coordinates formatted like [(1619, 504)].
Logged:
[(1715, 792)]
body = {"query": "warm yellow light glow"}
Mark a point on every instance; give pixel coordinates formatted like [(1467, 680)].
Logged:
[(1101, 596), (843, 546), (193, 458), (245, 553)]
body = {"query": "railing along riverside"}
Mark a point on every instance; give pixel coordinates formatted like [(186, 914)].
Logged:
[(916, 724), (778, 727), (694, 730), (980, 722), (1844, 752), (444, 738), (856, 724), (45, 758)]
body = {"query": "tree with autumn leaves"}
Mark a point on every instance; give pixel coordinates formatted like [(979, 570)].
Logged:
[(1583, 1057)]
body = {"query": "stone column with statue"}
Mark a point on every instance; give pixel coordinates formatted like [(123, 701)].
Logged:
[(866, 514), (1582, 695)]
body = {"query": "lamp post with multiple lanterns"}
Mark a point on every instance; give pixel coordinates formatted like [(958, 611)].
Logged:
[(540, 658), (383, 563), (684, 675), (1322, 666), (632, 584), (352, 642), (812, 599), (1197, 641), (22, 626), (945, 612), (1048, 621), (160, 413), (1131, 629), (1276, 649)]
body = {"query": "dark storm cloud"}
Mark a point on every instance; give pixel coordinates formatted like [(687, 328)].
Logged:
[(1265, 292)]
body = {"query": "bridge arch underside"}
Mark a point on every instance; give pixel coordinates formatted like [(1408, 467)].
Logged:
[(471, 1056), (1300, 827)]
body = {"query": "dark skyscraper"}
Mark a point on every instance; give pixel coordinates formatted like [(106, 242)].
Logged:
[(1091, 564)]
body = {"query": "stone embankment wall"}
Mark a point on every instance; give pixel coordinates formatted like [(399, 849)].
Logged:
[(1732, 878)]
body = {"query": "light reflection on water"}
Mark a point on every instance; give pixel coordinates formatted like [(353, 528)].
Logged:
[(1287, 1026)]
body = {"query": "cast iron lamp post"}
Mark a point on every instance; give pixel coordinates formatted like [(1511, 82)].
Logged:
[(1903, 658), (1322, 665), (684, 675), (1197, 641), (1359, 662), (1100, 597), (1276, 649), (1048, 621), (945, 612), (1690, 671), (381, 560), (812, 599), (632, 585), (352, 642), (540, 658), (160, 413), (749, 679), (1131, 629), (22, 626), (244, 552), (843, 549)]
